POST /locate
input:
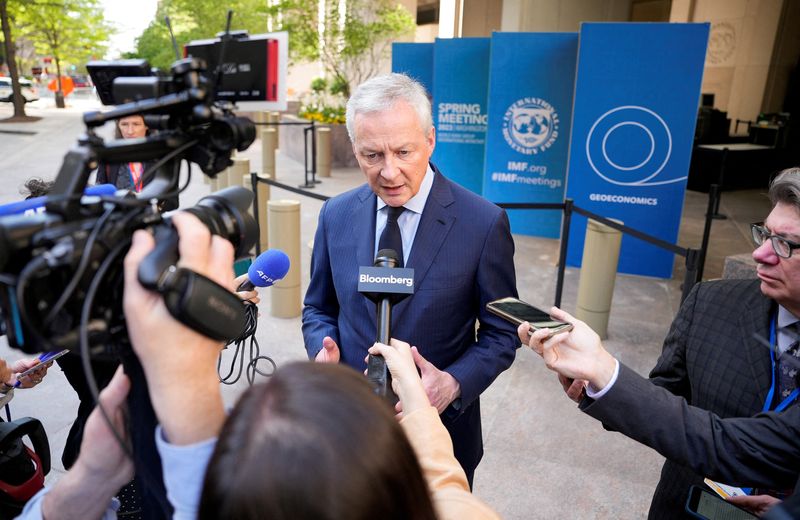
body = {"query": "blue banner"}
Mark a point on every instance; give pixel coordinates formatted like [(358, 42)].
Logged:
[(414, 60), (532, 76), (636, 99), (460, 83)]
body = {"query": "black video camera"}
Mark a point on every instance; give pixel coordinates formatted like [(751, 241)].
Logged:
[(61, 270)]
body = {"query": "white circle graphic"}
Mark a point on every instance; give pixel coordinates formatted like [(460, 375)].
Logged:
[(636, 166), (657, 132)]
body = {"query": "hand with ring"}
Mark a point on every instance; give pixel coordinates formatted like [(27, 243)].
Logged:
[(31, 379)]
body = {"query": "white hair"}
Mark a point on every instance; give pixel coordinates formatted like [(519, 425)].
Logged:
[(382, 92)]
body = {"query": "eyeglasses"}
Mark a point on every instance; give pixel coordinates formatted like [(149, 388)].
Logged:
[(782, 246)]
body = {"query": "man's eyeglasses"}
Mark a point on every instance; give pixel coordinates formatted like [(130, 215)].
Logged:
[(782, 246)]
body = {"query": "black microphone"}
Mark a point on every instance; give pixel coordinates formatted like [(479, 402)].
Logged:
[(385, 284)]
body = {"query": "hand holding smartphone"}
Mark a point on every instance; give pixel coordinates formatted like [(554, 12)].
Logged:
[(518, 312), (44, 359), (709, 506)]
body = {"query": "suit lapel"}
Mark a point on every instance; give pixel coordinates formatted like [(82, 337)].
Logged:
[(362, 222), (434, 225), (755, 320)]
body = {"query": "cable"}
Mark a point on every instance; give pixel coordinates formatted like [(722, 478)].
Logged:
[(249, 332)]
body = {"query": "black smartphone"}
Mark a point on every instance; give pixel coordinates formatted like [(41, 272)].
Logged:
[(703, 503), (517, 312)]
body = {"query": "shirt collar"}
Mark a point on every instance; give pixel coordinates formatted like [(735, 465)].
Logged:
[(785, 318), (417, 202)]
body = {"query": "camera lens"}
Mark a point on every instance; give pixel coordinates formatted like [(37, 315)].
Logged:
[(225, 213)]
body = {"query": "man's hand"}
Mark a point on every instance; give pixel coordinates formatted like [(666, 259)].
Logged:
[(574, 388), (406, 382), (179, 363), (756, 504), (329, 352), (577, 354), (441, 388), (102, 467)]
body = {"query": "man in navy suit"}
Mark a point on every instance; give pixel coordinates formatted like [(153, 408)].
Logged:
[(458, 244)]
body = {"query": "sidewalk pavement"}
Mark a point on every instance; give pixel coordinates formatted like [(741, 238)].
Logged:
[(543, 458)]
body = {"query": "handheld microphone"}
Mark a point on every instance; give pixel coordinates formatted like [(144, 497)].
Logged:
[(269, 267), (37, 204)]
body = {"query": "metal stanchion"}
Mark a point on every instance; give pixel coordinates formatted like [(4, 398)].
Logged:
[(284, 234), (324, 151), (240, 169), (269, 141), (598, 275)]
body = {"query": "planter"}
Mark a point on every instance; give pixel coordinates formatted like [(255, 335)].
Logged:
[(291, 143)]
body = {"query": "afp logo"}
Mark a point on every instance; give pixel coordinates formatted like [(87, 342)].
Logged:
[(530, 125)]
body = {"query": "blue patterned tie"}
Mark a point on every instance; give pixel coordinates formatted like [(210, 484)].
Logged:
[(391, 238), (789, 365)]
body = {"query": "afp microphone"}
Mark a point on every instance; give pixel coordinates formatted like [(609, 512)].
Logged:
[(269, 267)]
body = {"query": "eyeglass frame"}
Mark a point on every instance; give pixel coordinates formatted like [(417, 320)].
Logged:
[(772, 238)]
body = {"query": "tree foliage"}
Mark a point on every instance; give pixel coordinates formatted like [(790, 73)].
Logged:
[(350, 50)]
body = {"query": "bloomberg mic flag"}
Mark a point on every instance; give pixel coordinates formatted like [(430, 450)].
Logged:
[(460, 82), (636, 99), (414, 60), (532, 77)]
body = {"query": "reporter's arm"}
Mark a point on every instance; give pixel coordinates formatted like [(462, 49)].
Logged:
[(179, 363)]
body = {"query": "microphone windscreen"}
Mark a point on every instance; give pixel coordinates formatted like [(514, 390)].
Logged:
[(269, 267)]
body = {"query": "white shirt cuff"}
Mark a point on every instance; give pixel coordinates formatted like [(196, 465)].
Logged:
[(590, 391)]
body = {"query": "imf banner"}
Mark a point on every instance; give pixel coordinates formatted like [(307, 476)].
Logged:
[(530, 105), (414, 60), (460, 82), (636, 100)]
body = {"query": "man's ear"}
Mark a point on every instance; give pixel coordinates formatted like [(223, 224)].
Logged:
[(431, 139)]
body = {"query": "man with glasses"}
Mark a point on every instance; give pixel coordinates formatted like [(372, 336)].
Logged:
[(715, 354)]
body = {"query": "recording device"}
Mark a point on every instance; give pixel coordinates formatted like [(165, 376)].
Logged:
[(61, 270), (518, 312), (710, 506), (269, 267), (385, 284)]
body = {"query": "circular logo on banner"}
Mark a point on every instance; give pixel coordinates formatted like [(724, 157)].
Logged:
[(629, 146), (530, 125)]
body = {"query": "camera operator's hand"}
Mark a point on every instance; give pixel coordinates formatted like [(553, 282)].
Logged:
[(406, 381), (179, 363), (102, 467)]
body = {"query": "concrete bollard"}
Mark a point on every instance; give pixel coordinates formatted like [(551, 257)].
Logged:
[(269, 141), (323, 151), (263, 223), (275, 117), (214, 184), (259, 116), (284, 234), (598, 274), (222, 179)]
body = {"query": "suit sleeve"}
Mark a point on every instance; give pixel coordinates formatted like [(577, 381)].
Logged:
[(102, 176), (670, 370), (497, 341), (760, 451), (321, 306)]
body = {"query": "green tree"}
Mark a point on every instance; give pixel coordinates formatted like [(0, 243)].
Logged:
[(71, 31), (352, 45), (10, 56)]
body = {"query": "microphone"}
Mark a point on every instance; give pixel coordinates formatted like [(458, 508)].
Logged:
[(37, 204), (269, 267), (385, 284)]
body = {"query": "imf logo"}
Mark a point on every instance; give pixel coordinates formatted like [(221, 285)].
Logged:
[(530, 125)]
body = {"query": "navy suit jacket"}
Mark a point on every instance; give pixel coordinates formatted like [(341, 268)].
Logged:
[(462, 256)]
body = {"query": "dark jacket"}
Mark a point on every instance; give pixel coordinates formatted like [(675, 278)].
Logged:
[(118, 174)]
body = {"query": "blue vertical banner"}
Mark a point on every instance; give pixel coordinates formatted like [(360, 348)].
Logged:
[(460, 84), (636, 99), (414, 60), (532, 78)]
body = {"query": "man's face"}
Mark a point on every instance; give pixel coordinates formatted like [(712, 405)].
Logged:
[(780, 277), (393, 152), (132, 126)]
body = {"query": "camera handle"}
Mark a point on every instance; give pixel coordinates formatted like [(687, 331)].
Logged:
[(191, 298)]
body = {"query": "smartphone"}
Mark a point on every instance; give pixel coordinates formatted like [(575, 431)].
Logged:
[(47, 357), (703, 503), (517, 312)]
